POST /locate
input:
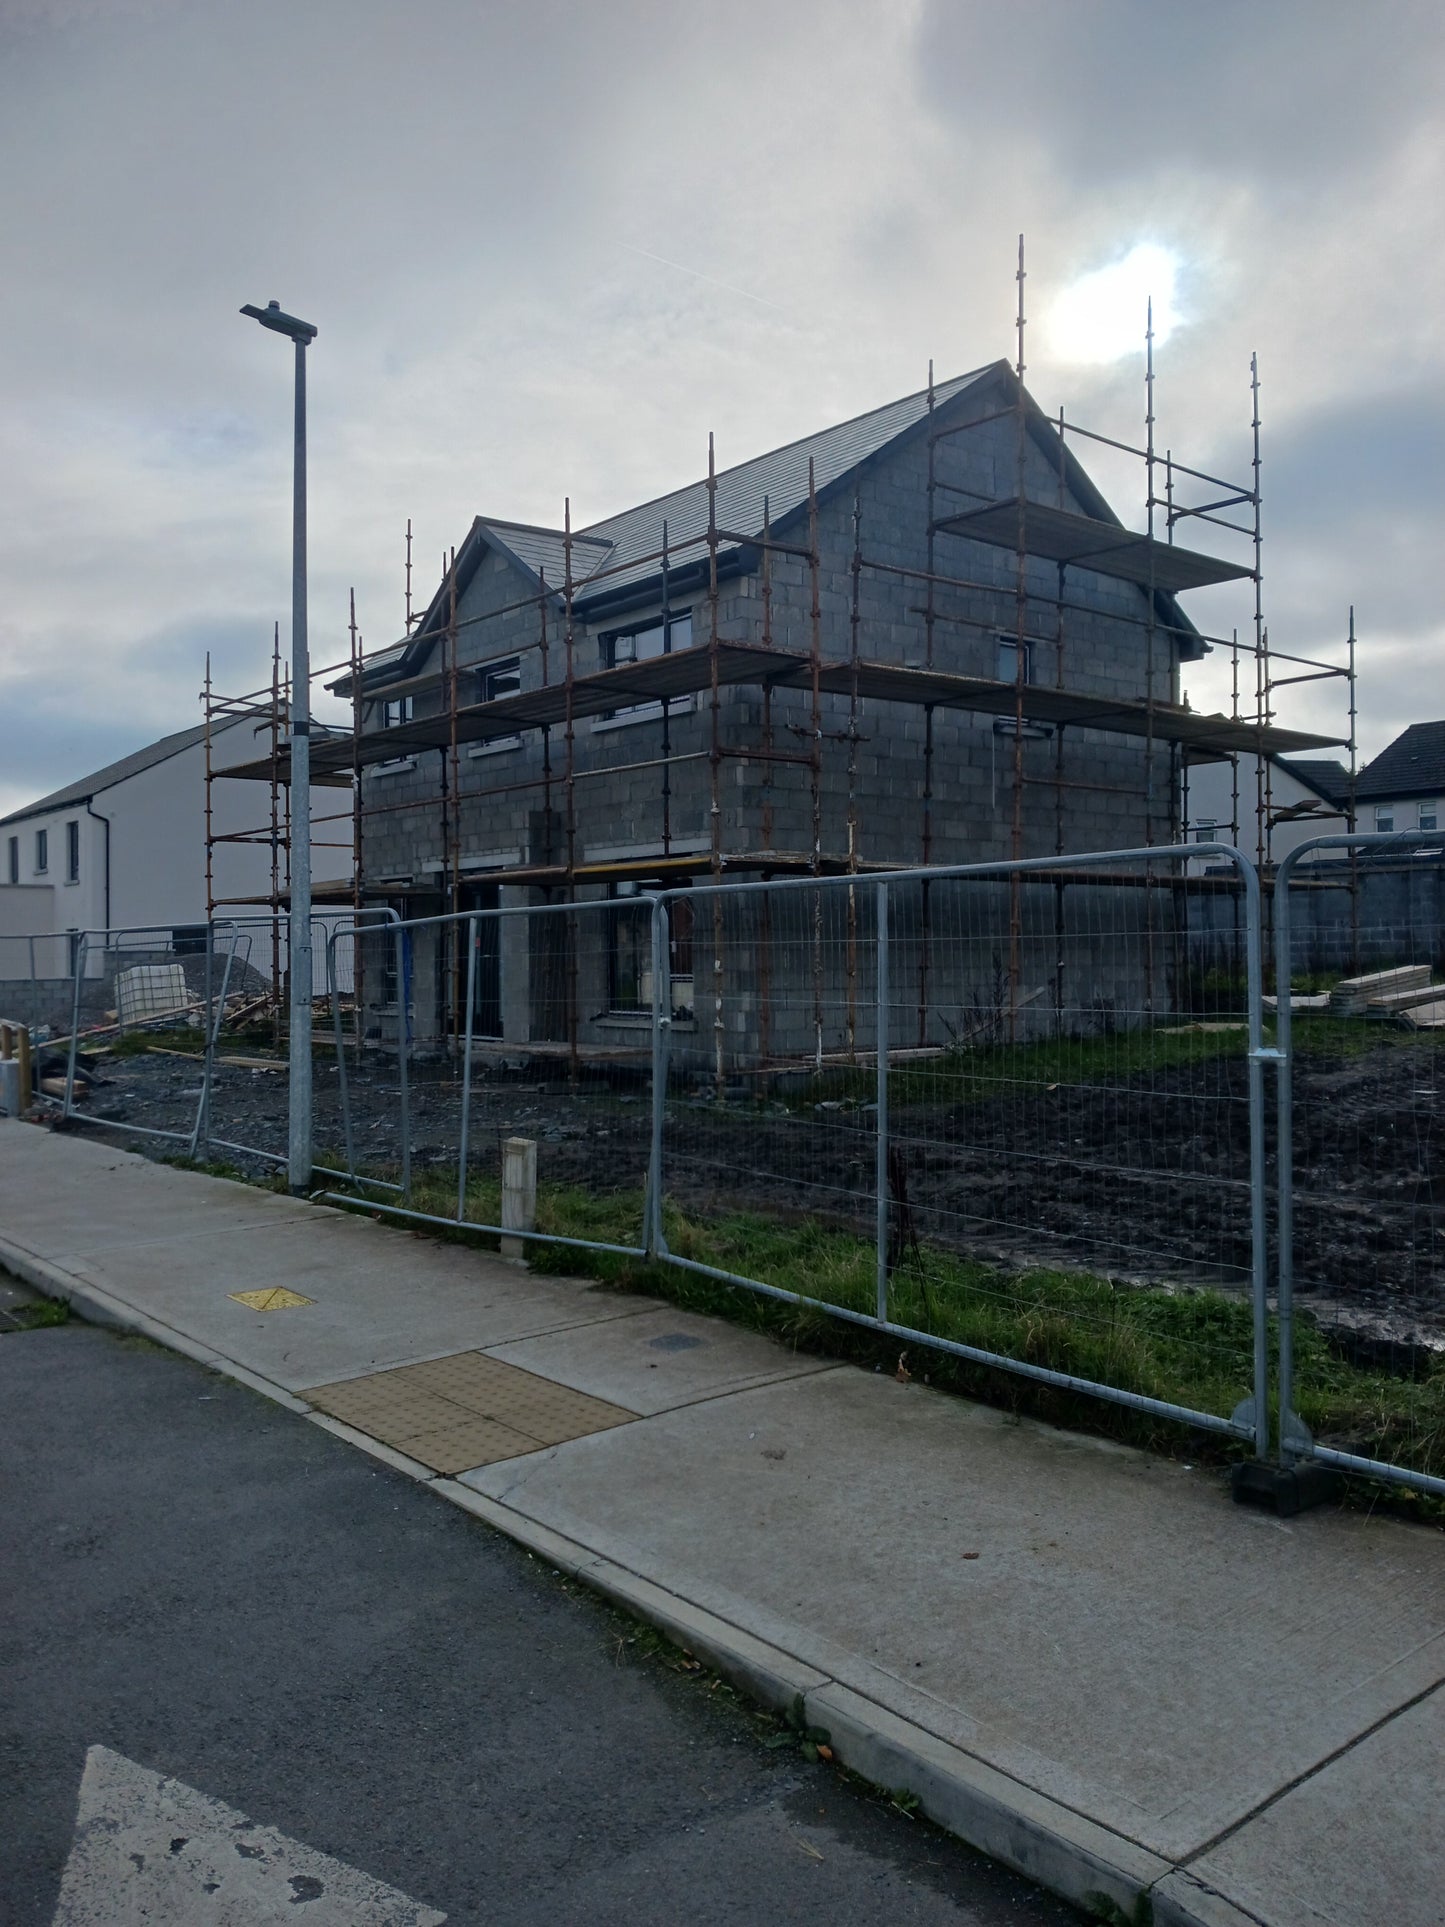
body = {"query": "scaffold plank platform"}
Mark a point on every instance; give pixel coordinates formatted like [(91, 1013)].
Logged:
[(1062, 535)]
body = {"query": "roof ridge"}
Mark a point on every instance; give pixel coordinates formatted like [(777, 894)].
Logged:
[(770, 454), (540, 528)]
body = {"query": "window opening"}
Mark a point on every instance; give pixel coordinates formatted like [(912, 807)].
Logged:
[(645, 644), (630, 987)]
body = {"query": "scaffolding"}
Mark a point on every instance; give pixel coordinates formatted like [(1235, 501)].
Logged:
[(1034, 530), (267, 711)]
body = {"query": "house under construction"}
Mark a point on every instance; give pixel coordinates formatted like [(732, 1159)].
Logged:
[(919, 638)]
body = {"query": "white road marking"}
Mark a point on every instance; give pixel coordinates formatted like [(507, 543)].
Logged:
[(152, 1850)]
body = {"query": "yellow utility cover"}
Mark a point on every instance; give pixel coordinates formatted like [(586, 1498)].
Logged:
[(278, 1298)]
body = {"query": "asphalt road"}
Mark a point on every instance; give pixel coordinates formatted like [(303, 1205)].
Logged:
[(218, 1591)]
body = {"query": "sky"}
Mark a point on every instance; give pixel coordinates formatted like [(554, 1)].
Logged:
[(549, 247)]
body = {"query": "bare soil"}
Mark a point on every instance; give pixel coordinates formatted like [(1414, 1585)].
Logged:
[(1140, 1177)]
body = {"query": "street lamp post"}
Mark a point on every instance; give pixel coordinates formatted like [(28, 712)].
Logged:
[(298, 1163)]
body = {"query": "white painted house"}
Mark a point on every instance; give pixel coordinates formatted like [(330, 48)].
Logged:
[(125, 849), (1403, 789), (1306, 797)]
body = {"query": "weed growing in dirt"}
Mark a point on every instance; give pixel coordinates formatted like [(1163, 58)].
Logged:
[(40, 1313)]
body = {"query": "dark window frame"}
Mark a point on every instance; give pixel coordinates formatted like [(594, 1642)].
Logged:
[(1010, 644), (488, 675), (670, 629)]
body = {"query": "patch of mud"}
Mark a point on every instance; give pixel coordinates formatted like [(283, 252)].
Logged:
[(1144, 1179)]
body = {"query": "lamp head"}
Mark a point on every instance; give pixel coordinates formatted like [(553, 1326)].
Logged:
[(273, 317)]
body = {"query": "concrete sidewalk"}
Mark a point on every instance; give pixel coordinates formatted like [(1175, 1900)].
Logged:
[(1088, 1662)]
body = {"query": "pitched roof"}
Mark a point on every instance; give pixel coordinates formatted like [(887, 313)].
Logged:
[(544, 551), (779, 479), (1326, 776), (1413, 765), (617, 555), (620, 552), (86, 787)]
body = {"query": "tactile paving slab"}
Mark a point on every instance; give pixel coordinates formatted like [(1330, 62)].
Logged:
[(464, 1411)]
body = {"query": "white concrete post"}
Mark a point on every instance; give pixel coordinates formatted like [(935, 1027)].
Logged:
[(519, 1193)]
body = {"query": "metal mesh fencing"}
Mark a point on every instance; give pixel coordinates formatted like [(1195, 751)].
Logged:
[(1014, 1113), (530, 1026), (176, 1035), (1002, 1111), (154, 997), (1359, 935)]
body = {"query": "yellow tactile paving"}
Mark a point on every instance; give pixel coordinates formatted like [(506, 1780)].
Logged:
[(477, 1441), (465, 1410), (388, 1412), (277, 1298)]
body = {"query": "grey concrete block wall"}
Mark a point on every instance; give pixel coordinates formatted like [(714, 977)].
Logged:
[(871, 791)]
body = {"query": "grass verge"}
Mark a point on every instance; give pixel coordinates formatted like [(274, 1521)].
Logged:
[(1189, 1347)]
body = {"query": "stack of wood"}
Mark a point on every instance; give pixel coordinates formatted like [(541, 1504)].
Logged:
[(1405, 994)]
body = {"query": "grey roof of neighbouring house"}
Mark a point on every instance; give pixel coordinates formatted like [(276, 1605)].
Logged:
[(113, 773), (1413, 765), (1323, 774)]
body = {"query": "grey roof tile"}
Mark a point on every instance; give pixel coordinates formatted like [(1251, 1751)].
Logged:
[(1413, 765), (544, 551), (1323, 774), (103, 779), (779, 478)]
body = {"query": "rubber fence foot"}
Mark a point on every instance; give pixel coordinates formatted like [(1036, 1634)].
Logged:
[(1284, 1489)]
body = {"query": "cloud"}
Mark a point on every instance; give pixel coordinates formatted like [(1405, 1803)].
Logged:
[(550, 247), (1288, 96)]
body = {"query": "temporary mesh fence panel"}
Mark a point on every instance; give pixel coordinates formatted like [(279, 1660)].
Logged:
[(144, 1008), (534, 1023), (1360, 977), (1054, 1160)]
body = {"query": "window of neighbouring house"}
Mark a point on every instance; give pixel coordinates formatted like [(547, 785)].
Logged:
[(629, 975), (1429, 816), (494, 680), (1385, 819), (72, 853), (14, 864), (645, 644), (42, 851)]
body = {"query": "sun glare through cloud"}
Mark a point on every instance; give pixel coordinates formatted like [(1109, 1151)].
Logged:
[(1101, 316)]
